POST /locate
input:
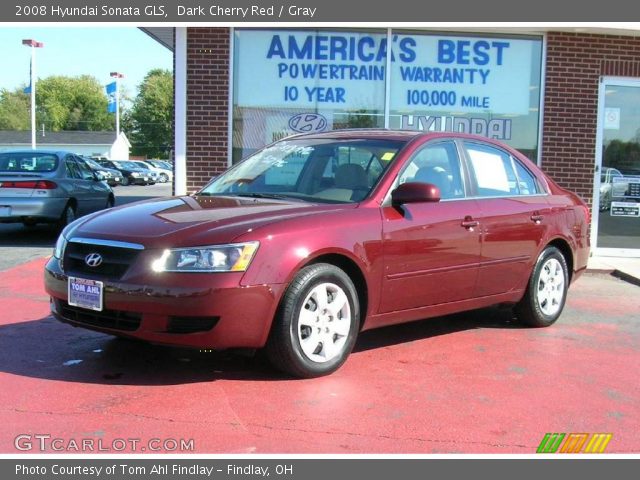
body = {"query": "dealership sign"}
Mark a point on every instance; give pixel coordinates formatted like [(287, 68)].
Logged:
[(347, 71)]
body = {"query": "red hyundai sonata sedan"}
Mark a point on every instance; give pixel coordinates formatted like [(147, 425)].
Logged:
[(318, 237)]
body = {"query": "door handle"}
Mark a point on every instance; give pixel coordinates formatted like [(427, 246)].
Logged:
[(469, 223), (537, 218)]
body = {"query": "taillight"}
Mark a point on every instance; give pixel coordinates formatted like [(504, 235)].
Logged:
[(32, 184)]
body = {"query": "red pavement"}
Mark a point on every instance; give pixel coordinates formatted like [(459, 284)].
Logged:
[(473, 383)]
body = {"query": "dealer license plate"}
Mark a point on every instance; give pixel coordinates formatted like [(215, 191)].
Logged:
[(85, 293)]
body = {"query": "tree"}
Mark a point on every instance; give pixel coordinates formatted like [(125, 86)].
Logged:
[(73, 103), (62, 103), (14, 110), (150, 121)]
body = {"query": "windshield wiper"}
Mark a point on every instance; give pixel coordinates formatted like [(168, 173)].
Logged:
[(278, 196)]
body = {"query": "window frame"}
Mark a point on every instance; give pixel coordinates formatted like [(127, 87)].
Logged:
[(473, 183)]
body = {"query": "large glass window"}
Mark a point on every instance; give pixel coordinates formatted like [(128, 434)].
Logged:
[(472, 84), (306, 80), (289, 81)]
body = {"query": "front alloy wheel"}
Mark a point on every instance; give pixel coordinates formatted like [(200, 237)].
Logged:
[(324, 323), (317, 323)]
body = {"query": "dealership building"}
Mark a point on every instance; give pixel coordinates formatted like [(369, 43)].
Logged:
[(568, 98)]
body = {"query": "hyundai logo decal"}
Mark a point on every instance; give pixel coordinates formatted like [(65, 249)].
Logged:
[(93, 260), (308, 122)]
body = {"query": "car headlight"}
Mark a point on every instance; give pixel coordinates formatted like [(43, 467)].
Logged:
[(135, 174), (61, 244), (234, 257)]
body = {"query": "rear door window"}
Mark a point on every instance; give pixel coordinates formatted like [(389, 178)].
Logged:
[(497, 174)]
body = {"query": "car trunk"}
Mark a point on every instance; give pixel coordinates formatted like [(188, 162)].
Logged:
[(22, 185)]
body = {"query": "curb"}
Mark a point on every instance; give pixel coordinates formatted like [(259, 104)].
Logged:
[(626, 277)]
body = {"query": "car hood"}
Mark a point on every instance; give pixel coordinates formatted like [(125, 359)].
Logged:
[(190, 221)]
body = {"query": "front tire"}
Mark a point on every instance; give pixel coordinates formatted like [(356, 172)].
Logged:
[(125, 181), (546, 292), (317, 323)]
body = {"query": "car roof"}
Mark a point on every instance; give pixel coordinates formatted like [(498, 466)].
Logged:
[(362, 133), (386, 134), (59, 153)]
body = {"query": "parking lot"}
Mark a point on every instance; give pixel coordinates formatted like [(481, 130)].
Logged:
[(470, 383), (19, 244)]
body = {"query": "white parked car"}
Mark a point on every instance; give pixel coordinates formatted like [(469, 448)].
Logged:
[(164, 175), (612, 184)]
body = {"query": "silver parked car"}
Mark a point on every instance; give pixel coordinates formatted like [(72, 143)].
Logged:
[(38, 186)]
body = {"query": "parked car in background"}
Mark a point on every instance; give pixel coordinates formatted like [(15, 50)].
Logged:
[(41, 186), (132, 173), (110, 175), (612, 185), (317, 237), (161, 164), (164, 175)]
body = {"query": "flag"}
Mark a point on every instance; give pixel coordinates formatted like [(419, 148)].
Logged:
[(112, 92), (27, 89)]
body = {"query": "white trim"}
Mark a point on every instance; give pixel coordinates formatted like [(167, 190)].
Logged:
[(387, 80), (595, 201), (180, 143), (543, 94), (230, 100), (595, 211), (618, 252)]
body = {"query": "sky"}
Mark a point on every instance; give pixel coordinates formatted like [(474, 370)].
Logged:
[(76, 51)]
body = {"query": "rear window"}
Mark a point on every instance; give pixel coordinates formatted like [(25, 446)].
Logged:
[(28, 162)]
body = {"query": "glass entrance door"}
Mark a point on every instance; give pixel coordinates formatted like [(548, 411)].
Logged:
[(616, 202)]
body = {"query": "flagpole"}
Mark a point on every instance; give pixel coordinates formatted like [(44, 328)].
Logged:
[(117, 76), (33, 44)]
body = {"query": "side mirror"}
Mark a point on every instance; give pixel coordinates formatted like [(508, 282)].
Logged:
[(415, 192)]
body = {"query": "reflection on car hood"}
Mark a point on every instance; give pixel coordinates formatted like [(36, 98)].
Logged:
[(189, 221)]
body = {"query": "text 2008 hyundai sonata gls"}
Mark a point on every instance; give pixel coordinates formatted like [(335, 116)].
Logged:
[(317, 237)]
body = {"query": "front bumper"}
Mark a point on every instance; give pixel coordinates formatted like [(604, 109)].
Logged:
[(214, 309), (28, 208)]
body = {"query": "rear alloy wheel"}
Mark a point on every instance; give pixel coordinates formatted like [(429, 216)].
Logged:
[(547, 290), (68, 216), (317, 323)]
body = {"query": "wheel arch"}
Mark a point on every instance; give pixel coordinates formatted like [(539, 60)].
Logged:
[(567, 252), (353, 270)]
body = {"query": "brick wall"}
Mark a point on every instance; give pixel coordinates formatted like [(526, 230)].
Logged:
[(575, 63), (207, 103)]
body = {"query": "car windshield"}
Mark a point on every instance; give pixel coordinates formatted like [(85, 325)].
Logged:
[(92, 163), (128, 165), (27, 162), (158, 164), (322, 170)]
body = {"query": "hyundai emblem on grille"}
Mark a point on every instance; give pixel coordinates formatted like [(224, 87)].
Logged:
[(93, 259)]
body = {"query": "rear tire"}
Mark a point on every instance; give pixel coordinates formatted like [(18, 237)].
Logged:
[(546, 292), (68, 216), (317, 323)]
